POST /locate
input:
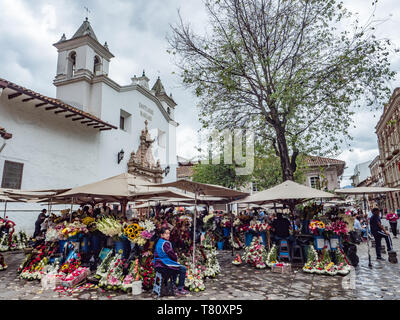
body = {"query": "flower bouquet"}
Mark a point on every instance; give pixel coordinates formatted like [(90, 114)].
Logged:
[(236, 243), (339, 227), (104, 266), (4, 243), (35, 270), (52, 234), (256, 254), (144, 271), (272, 256), (312, 258), (131, 277), (145, 232), (70, 266), (90, 223), (208, 221), (73, 229), (325, 263), (132, 231), (110, 227), (212, 267), (113, 279), (343, 265), (259, 227), (194, 279), (317, 227), (237, 261), (331, 269)]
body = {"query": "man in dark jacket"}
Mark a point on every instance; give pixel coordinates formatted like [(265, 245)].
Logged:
[(42, 216), (379, 232), (281, 228)]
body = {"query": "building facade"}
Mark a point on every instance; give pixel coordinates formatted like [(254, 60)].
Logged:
[(361, 173), (323, 173), (92, 130), (388, 134)]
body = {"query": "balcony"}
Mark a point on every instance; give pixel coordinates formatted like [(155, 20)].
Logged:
[(396, 150)]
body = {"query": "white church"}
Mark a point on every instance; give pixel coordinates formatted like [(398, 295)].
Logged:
[(93, 129)]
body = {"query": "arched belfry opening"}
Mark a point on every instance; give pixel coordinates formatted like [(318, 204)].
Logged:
[(71, 68), (96, 65)]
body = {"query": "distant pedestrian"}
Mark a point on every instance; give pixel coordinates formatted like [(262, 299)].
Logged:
[(379, 232), (392, 217)]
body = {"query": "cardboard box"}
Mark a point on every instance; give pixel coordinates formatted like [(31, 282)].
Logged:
[(281, 268)]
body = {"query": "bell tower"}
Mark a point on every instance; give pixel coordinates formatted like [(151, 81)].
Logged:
[(81, 59)]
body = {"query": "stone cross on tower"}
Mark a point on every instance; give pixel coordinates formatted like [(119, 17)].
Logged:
[(87, 12)]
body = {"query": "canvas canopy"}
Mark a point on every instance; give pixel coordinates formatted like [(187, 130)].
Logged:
[(204, 189), (116, 188), (366, 190), (288, 190)]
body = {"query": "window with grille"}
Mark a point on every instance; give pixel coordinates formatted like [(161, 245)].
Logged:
[(314, 182), (12, 175)]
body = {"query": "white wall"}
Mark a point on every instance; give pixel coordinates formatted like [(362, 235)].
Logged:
[(56, 153)]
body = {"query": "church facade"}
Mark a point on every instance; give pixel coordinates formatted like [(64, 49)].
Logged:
[(93, 129)]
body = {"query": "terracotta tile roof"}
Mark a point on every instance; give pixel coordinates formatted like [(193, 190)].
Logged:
[(184, 172), (321, 161), (54, 104)]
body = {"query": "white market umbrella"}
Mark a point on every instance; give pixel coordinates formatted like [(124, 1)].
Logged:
[(288, 190), (364, 191)]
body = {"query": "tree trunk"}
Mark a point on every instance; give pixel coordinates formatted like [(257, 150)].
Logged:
[(286, 164)]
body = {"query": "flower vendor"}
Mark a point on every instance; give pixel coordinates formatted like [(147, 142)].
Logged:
[(281, 229), (166, 259), (42, 216)]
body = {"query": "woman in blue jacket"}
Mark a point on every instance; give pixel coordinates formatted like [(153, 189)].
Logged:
[(166, 258)]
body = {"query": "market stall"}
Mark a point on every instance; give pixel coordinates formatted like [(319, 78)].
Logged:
[(365, 191), (123, 256), (202, 189)]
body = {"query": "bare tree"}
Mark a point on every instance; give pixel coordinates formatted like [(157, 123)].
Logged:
[(286, 69)]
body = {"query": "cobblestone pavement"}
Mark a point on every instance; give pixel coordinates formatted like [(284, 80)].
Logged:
[(381, 282)]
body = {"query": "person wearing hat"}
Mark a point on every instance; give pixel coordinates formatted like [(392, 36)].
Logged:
[(392, 217)]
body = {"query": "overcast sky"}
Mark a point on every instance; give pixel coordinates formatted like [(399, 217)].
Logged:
[(135, 31)]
